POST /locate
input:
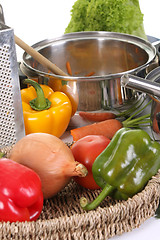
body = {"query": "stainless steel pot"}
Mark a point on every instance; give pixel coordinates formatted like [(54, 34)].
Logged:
[(108, 54)]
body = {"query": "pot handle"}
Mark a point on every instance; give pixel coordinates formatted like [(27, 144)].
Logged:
[(140, 84)]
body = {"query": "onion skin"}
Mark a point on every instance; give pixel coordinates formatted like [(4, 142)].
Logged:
[(50, 158)]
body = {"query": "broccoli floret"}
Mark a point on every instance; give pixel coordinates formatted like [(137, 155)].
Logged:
[(122, 16)]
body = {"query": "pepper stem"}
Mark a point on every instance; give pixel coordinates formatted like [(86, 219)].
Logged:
[(92, 205), (40, 102)]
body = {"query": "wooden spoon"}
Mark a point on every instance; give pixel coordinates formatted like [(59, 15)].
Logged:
[(38, 57), (70, 89)]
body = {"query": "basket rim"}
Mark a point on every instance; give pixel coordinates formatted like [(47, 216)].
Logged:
[(124, 216)]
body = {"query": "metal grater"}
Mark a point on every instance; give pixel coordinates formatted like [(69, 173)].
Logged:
[(11, 114)]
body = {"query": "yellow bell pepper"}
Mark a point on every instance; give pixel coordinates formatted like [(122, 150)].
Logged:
[(69, 88), (45, 110)]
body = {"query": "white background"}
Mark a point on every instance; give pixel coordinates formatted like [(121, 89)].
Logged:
[(35, 20)]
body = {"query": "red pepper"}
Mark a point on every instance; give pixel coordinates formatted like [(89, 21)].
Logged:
[(21, 197)]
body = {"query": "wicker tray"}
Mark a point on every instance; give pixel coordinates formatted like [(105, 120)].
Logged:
[(63, 218)]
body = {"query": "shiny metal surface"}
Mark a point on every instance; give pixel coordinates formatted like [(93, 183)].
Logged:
[(140, 84), (108, 54), (151, 86), (11, 114), (154, 76)]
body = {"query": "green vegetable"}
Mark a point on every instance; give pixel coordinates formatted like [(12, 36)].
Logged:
[(122, 16), (1, 154), (125, 166)]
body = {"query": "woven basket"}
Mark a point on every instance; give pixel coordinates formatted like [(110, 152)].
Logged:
[(63, 218)]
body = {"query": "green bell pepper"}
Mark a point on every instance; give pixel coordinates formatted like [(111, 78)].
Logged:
[(125, 166)]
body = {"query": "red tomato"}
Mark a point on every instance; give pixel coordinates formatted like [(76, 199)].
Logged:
[(85, 151)]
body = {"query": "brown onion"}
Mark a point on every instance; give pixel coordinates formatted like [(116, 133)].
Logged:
[(50, 158)]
